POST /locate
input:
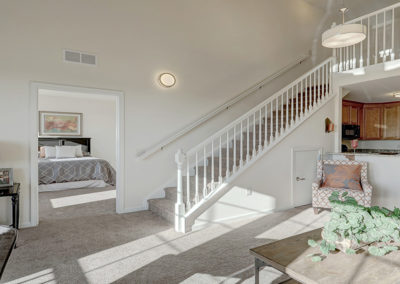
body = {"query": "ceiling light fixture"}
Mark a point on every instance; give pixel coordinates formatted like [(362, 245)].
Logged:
[(396, 95), (344, 35), (167, 80)]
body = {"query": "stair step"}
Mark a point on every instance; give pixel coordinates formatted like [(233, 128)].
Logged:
[(164, 208)]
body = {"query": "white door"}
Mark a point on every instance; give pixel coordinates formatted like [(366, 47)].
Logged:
[(304, 172)]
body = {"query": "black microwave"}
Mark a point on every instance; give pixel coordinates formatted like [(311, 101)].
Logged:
[(350, 132)]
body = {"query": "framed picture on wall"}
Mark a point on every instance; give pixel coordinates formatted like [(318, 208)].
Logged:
[(53, 123), (6, 177)]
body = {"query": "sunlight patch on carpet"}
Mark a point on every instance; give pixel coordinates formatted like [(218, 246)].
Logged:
[(83, 198)]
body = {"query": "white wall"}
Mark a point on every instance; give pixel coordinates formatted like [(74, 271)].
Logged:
[(269, 179), (215, 48), (98, 121)]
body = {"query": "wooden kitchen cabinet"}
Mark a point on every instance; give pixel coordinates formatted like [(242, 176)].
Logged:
[(352, 113), (391, 121), (372, 122)]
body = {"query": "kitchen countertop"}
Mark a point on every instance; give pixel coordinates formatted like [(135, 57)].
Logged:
[(364, 154)]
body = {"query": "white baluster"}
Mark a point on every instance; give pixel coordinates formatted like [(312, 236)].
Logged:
[(227, 154), (220, 160), (179, 205), (287, 110), (188, 205), (271, 138), (319, 85), (205, 172), (354, 57), (392, 55), (347, 58), (276, 118), (241, 144), (301, 100), (212, 164), (384, 36), (361, 53), (322, 87), (376, 39), (196, 196), (234, 149), (254, 135), (248, 140), (341, 60), (314, 90), (368, 43), (266, 126), (259, 131), (297, 102), (282, 114), (306, 94), (292, 113)]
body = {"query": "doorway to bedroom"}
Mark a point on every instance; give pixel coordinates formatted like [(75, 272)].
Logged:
[(76, 152)]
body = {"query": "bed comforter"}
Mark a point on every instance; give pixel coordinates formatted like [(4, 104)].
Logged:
[(75, 169)]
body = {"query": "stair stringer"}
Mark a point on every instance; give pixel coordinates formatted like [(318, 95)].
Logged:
[(199, 208)]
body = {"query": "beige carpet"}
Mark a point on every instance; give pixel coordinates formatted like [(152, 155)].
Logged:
[(89, 243)]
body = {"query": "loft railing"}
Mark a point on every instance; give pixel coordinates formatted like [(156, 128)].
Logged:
[(208, 166), (381, 44)]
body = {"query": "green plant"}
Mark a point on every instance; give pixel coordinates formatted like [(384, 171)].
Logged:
[(355, 225)]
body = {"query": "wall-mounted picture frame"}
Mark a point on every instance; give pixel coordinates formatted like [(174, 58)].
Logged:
[(6, 177), (54, 123)]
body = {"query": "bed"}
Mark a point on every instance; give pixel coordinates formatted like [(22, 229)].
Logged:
[(73, 172)]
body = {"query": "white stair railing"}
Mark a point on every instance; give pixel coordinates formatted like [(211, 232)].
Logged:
[(218, 159), (381, 44)]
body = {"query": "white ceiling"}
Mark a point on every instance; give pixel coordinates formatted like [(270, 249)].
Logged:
[(377, 91)]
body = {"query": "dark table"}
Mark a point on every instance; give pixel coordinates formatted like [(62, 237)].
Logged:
[(13, 192), (8, 237)]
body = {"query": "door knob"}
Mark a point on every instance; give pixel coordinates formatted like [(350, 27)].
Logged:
[(299, 179)]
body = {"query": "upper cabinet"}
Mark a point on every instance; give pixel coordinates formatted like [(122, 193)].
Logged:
[(391, 121), (377, 121), (352, 113), (372, 122)]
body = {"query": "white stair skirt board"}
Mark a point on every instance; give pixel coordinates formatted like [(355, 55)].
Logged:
[(72, 185)]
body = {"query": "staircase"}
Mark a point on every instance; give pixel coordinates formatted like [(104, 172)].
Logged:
[(207, 168)]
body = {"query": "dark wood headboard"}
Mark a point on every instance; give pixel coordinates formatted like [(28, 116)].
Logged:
[(67, 141)]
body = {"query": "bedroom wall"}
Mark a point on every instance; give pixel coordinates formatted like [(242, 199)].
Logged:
[(98, 121)]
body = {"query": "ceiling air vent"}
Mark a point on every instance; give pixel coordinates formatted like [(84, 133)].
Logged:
[(79, 57)]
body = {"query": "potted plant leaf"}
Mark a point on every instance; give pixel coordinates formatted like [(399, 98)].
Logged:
[(352, 226)]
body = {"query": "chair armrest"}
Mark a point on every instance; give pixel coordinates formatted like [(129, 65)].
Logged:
[(367, 188), (317, 183)]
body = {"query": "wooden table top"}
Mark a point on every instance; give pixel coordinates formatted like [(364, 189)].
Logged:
[(7, 241), (290, 256)]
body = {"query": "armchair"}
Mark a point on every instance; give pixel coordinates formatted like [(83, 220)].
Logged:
[(321, 194)]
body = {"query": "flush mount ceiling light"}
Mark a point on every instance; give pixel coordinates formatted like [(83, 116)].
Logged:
[(167, 80), (344, 34), (396, 95)]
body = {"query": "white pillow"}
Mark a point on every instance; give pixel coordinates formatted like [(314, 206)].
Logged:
[(49, 152), (78, 151), (65, 152)]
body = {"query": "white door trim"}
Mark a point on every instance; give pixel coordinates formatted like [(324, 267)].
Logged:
[(33, 134), (293, 160)]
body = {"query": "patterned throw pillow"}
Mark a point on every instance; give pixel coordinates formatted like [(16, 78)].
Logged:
[(342, 176)]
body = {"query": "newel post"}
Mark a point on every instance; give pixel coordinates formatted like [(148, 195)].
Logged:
[(179, 205)]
